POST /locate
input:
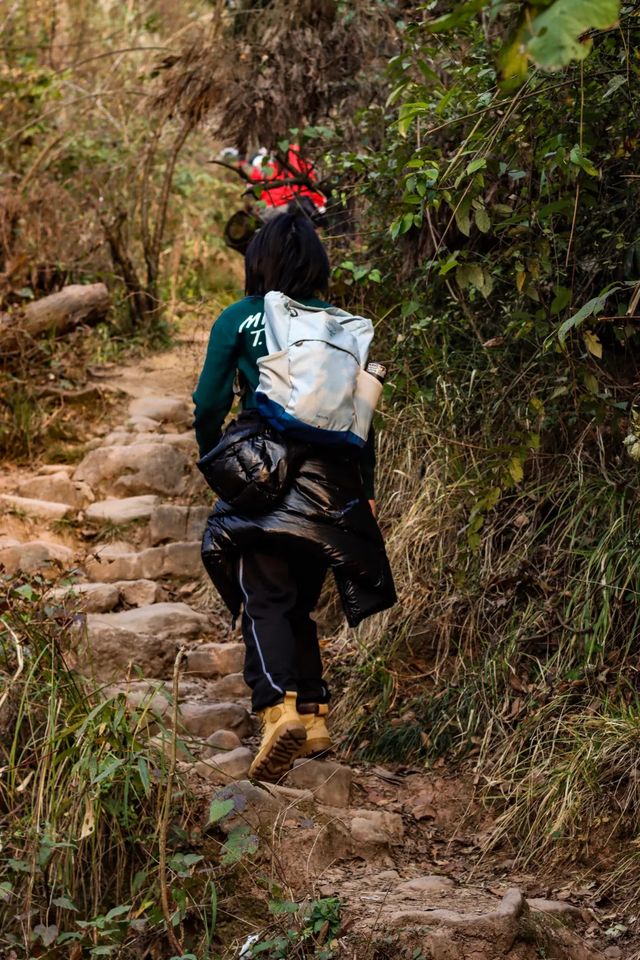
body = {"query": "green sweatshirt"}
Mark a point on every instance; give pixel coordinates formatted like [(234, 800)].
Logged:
[(236, 343)]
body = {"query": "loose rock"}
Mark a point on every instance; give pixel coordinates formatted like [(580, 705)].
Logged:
[(122, 511), (376, 828), (424, 886), (225, 767), (330, 782), (221, 741)]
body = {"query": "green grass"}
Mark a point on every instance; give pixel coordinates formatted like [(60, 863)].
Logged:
[(98, 833)]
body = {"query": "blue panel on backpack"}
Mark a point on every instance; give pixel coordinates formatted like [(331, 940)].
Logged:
[(284, 423)]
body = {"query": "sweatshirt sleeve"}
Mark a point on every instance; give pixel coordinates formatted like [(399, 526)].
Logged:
[(213, 396), (368, 466)]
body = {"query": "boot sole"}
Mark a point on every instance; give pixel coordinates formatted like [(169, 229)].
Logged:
[(279, 755), (316, 748)]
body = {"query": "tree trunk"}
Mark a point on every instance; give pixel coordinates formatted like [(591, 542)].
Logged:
[(57, 313)]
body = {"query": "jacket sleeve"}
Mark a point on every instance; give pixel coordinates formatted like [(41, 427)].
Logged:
[(368, 466), (213, 396)]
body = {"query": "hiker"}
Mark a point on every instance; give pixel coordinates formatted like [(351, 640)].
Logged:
[(272, 565)]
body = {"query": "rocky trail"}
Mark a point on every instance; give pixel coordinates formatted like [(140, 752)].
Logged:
[(401, 848)]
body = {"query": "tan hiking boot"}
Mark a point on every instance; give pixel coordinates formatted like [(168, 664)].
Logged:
[(318, 736), (283, 736)]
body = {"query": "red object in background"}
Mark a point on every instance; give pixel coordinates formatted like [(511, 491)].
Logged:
[(280, 196)]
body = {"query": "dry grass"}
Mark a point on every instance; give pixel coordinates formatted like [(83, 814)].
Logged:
[(518, 655)]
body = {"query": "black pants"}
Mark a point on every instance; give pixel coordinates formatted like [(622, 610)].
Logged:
[(280, 590)]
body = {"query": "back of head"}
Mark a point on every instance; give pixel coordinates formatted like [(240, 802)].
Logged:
[(287, 255)]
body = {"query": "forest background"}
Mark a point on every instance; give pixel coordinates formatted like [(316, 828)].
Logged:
[(482, 160)]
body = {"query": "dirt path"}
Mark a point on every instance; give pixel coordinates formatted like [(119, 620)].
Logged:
[(400, 848)]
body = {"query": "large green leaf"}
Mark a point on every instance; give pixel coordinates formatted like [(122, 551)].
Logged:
[(555, 33)]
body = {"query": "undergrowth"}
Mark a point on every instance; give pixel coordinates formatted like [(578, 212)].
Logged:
[(98, 833), (519, 656)]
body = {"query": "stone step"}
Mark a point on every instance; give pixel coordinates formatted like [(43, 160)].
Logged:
[(57, 487), (50, 469), (91, 597), (184, 441), (40, 509), (138, 468), (123, 510), (162, 409), (103, 597), (117, 562), (146, 638), (164, 620), (174, 522), (36, 556), (215, 659)]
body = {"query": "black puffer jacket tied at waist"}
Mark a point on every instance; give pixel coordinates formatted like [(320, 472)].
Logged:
[(325, 511)]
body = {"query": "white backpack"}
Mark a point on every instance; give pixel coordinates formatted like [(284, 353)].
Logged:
[(313, 385)]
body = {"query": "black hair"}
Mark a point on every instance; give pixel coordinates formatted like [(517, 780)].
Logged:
[(286, 255)]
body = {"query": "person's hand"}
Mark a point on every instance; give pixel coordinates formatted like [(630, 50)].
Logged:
[(372, 504)]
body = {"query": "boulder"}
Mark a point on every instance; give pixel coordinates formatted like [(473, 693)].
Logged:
[(35, 557), (41, 509), (230, 687), (162, 409), (201, 718), (375, 827), (163, 620), (90, 597), (215, 659), (58, 488), (122, 511), (135, 469), (138, 593), (329, 782), (221, 741), (225, 767)]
